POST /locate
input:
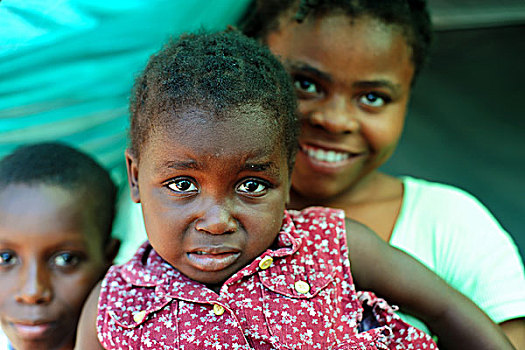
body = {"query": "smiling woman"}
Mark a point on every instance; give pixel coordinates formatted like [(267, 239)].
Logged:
[(353, 64), (343, 95)]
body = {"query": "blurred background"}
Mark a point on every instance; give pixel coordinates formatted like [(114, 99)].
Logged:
[(67, 66), (466, 121)]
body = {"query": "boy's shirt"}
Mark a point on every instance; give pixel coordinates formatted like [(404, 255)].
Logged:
[(4, 342)]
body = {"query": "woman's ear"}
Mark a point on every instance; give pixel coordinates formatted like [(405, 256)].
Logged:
[(133, 175)]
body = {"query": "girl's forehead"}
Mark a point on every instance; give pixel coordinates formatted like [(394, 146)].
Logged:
[(205, 129), (195, 135)]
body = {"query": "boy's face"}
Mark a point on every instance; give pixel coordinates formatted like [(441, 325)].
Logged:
[(51, 256), (353, 82), (213, 192)]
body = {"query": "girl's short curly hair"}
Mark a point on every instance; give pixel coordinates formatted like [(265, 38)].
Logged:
[(412, 16), (215, 72)]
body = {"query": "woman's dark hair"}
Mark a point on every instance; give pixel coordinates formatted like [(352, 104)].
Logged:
[(215, 72), (412, 16)]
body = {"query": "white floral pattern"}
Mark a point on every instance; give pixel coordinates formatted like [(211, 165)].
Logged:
[(147, 304)]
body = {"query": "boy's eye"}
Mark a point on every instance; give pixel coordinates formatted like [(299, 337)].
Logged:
[(305, 85), (182, 185), (65, 259), (373, 99), (7, 258), (253, 188)]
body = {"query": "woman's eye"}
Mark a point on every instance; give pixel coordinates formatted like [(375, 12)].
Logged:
[(373, 99), (305, 85), (252, 187), (65, 260), (182, 185), (7, 258)]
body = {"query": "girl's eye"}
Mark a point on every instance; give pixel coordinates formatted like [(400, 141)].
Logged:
[(305, 85), (373, 99), (253, 188), (182, 186), (7, 258), (65, 259)]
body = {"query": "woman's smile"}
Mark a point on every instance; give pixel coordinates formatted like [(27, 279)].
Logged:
[(327, 160)]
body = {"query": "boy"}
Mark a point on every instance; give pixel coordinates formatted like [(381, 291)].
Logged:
[(56, 213)]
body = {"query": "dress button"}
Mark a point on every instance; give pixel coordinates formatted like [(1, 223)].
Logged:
[(266, 262), (139, 316), (218, 309), (302, 287)]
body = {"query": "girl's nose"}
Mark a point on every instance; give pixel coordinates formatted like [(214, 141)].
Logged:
[(35, 285), (216, 219), (337, 116)]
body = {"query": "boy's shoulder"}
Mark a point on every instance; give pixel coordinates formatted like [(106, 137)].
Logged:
[(317, 215), (4, 342), (315, 224)]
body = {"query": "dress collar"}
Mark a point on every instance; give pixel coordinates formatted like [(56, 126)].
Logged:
[(147, 269)]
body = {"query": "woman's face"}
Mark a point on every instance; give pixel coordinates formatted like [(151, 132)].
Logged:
[(353, 79)]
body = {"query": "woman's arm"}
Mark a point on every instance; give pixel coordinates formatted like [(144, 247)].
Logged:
[(87, 331), (402, 280)]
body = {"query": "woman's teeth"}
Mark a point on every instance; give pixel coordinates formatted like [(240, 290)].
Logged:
[(325, 156)]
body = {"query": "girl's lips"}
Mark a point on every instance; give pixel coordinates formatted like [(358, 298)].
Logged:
[(210, 262), (33, 331)]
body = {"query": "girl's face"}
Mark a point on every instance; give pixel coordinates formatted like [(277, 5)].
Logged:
[(51, 256), (213, 192), (353, 82)]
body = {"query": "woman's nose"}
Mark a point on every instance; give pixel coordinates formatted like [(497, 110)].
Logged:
[(337, 116), (216, 219), (35, 285)]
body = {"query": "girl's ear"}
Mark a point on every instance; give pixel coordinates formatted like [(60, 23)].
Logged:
[(111, 250), (133, 175), (287, 198)]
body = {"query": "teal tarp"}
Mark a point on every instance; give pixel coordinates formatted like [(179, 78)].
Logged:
[(66, 67)]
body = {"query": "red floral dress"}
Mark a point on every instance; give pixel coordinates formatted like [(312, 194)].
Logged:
[(298, 296)]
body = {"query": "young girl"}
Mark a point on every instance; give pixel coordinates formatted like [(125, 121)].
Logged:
[(353, 64), (56, 212), (213, 139)]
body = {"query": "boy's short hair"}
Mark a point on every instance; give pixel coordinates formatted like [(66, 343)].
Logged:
[(219, 73), (411, 16), (57, 164)]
